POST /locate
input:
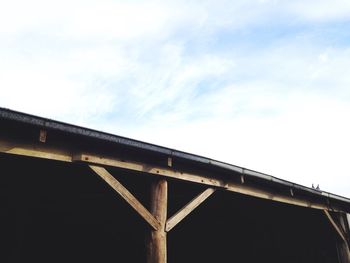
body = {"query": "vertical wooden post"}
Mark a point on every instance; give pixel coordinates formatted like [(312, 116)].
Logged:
[(157, 243), (343, 252), (342, 246)]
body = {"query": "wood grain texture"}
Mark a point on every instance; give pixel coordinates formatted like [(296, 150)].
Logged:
[(157, 240), (127, 196), (343, 252), (227, 185), (335, 226), (46, 152), (32, 150), (187, 209)]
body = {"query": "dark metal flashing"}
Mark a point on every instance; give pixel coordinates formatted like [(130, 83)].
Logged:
[(7, 114)]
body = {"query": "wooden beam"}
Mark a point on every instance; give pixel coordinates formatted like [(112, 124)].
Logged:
[(35, 150), (341, 243), (48, 152), (127, 196), (187, 209), (157, 241), (343, 221), (200, 179), (154, 170), (343, 251), (263, 194), (335, 226)]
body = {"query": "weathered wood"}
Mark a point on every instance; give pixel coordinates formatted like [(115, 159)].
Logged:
[(38, 151), (341, 243), (127, 196), (343, 252), (141, 167), (157, 240), (263, 194), (344, 224), (170, 161), (343, 247), (200, 179), (42, 136), (335, 226), (187, 209), (46, 152), (242, 179)]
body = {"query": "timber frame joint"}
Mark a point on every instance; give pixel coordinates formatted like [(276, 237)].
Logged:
[(338, 228), (127, 196), (148, 216), (187, 209), (209, 181)]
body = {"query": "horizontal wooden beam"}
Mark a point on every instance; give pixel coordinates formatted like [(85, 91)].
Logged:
[(200, 179), (149, 169), (35, 150), (60, 154), (126, 195), (263, 194), (187, 209)]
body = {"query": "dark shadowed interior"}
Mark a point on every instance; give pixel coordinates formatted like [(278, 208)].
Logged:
[(58, 212)]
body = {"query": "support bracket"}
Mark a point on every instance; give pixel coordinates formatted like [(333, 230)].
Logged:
[(127, 196), (337, 227), (187, 209)]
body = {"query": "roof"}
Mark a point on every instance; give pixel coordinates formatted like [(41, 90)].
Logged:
[(19, 117)]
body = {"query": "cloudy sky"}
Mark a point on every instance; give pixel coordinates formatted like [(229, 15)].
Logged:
[(260, 84)]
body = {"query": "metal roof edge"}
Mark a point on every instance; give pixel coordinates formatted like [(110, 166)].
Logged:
[(77, 130)]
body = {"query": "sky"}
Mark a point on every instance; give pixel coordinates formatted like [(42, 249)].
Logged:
[(262, 84)]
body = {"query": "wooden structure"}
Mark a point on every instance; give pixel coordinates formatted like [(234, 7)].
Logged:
[(29, 143)]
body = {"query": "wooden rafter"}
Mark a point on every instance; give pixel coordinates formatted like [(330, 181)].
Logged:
[(187, 209), (126, 195)]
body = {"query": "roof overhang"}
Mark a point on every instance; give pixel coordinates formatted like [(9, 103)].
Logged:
[(37, 137)]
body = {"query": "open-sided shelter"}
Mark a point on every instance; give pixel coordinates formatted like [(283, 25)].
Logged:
[(71, 194)]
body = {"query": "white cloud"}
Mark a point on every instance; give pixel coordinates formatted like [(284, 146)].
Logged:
[(323, 10), (155, 71), (306, 143), (289, 121)]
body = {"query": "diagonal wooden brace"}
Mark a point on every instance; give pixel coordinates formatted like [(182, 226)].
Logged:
[(187, 209), (337, 228), (127, 196)]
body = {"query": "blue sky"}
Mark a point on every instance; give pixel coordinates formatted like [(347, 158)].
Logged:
[(260, 84)]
